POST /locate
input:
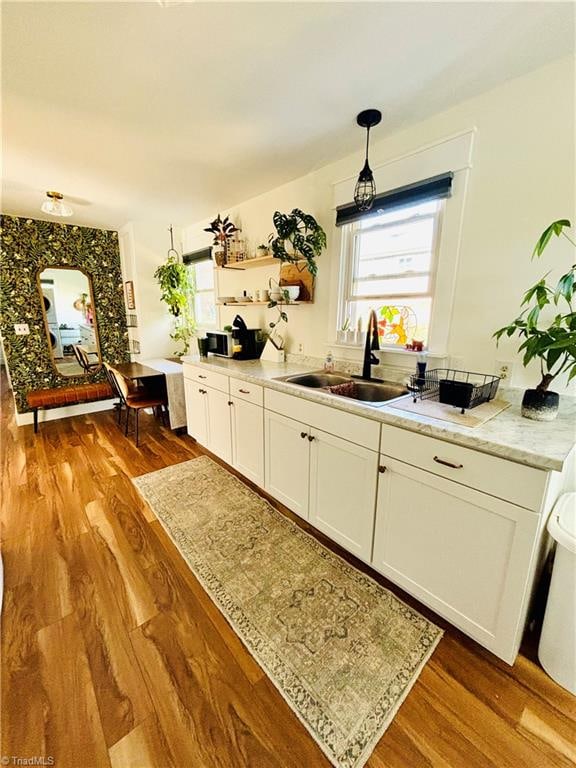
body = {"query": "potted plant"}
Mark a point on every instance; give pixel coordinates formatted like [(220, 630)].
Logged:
[(223, 230), (299, 238), (262, 251), (553, 341), (177, 292)]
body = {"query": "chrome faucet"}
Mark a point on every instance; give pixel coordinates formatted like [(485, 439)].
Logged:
[(372, 343)]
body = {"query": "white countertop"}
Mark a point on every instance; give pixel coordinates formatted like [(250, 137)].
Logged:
[(544, 445)]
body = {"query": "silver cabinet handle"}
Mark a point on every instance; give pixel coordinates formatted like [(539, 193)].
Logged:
[(303, 435), (244, 391), (438, 460), (381, 468)]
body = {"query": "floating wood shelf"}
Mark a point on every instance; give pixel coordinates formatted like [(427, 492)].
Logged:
[(264, 261), (258, 303)]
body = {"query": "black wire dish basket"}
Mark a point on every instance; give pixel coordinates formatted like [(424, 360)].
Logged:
[(461, 389)]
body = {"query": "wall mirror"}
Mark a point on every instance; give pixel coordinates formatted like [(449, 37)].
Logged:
[(68, 304)]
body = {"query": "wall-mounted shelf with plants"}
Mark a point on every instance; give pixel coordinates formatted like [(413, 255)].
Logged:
[(259, 261), (258, 303)]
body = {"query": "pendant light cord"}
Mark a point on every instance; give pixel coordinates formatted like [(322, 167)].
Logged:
[(367, 141)]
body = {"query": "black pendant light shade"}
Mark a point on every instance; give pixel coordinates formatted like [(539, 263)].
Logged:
[(365, 190)]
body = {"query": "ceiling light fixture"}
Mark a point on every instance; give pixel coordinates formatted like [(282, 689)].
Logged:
[(365, 190), (54, 205)]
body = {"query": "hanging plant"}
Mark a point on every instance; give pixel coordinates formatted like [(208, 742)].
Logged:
[(178, 291), (172, 276), (299, 238)]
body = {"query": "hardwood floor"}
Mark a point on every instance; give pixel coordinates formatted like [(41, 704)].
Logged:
[(113, 655)]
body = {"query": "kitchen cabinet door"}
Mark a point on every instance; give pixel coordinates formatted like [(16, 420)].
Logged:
[(343, 479), (287, 462), (465, 554), (248, 439), (196, 411), (219, 431)]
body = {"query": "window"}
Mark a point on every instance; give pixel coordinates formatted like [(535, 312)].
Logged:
[(204, 302), (389, 265)]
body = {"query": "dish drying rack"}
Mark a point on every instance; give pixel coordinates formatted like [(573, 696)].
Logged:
[(461, 389)]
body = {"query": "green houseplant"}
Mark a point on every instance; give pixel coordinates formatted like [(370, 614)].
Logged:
[(177, 292), (299, 237), (552, 341)]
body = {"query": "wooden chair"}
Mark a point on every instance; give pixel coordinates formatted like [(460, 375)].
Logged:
[(83, 357), (117, 393), (136, 401)]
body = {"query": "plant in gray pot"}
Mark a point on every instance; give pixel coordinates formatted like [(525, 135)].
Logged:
[(552, 341)]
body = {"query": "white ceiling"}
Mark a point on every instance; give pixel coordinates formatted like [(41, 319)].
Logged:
[(136, 111)]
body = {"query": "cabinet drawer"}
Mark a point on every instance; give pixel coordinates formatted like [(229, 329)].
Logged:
[(206, 376), (348, 426), (504, 479), (253, 393)]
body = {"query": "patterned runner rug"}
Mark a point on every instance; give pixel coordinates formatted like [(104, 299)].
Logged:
[(343, 651)]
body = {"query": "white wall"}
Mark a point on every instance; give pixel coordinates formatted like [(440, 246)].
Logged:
[(143, 247), (523, 177)]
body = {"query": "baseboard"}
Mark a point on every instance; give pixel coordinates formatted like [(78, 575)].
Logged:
[(63, 413)]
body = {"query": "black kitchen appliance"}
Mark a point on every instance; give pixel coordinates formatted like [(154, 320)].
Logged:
[(241, 343)]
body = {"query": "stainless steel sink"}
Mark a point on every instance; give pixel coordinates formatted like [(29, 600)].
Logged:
[(369, 392), (372, 392), (317, 379)]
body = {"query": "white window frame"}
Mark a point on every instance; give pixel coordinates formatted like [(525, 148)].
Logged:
[(349, 259), (450, 153)]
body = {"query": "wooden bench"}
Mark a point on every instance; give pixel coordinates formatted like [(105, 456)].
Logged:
[(54, 398)]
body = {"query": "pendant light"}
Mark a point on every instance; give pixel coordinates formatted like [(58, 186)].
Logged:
[(54, 205), (365, 190)]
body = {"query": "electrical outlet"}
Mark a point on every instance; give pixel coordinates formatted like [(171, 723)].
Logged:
[(504, 369), (300, 348), (21, 329)]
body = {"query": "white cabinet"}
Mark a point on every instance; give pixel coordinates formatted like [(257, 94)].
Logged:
[(219, 430), (248, 439), (196, 411), (465, 554), (208, 418), (324, 479), (287, 459), (343, 478)]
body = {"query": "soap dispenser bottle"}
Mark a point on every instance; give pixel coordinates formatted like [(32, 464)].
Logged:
[(329, 363)]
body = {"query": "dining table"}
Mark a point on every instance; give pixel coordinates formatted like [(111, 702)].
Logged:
[(162, 377)]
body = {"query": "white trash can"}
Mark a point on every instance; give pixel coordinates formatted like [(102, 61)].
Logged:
[(557, 649)]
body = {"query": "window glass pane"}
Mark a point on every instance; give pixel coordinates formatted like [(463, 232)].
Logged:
[(407, 237), (399, 322), (205, 308), (204, 275), (396, 286), (418, 209), (395, 265)]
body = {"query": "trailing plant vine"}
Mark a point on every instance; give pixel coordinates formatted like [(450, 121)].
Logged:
[(178, 289)]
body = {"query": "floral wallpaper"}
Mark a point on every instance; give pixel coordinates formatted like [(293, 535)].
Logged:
[(27, 247)]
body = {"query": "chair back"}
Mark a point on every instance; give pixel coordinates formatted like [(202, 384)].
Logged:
[(112, 380), (121, 384), (77, 355)]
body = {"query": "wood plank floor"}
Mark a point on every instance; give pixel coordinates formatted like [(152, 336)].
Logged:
[(113, 655)]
